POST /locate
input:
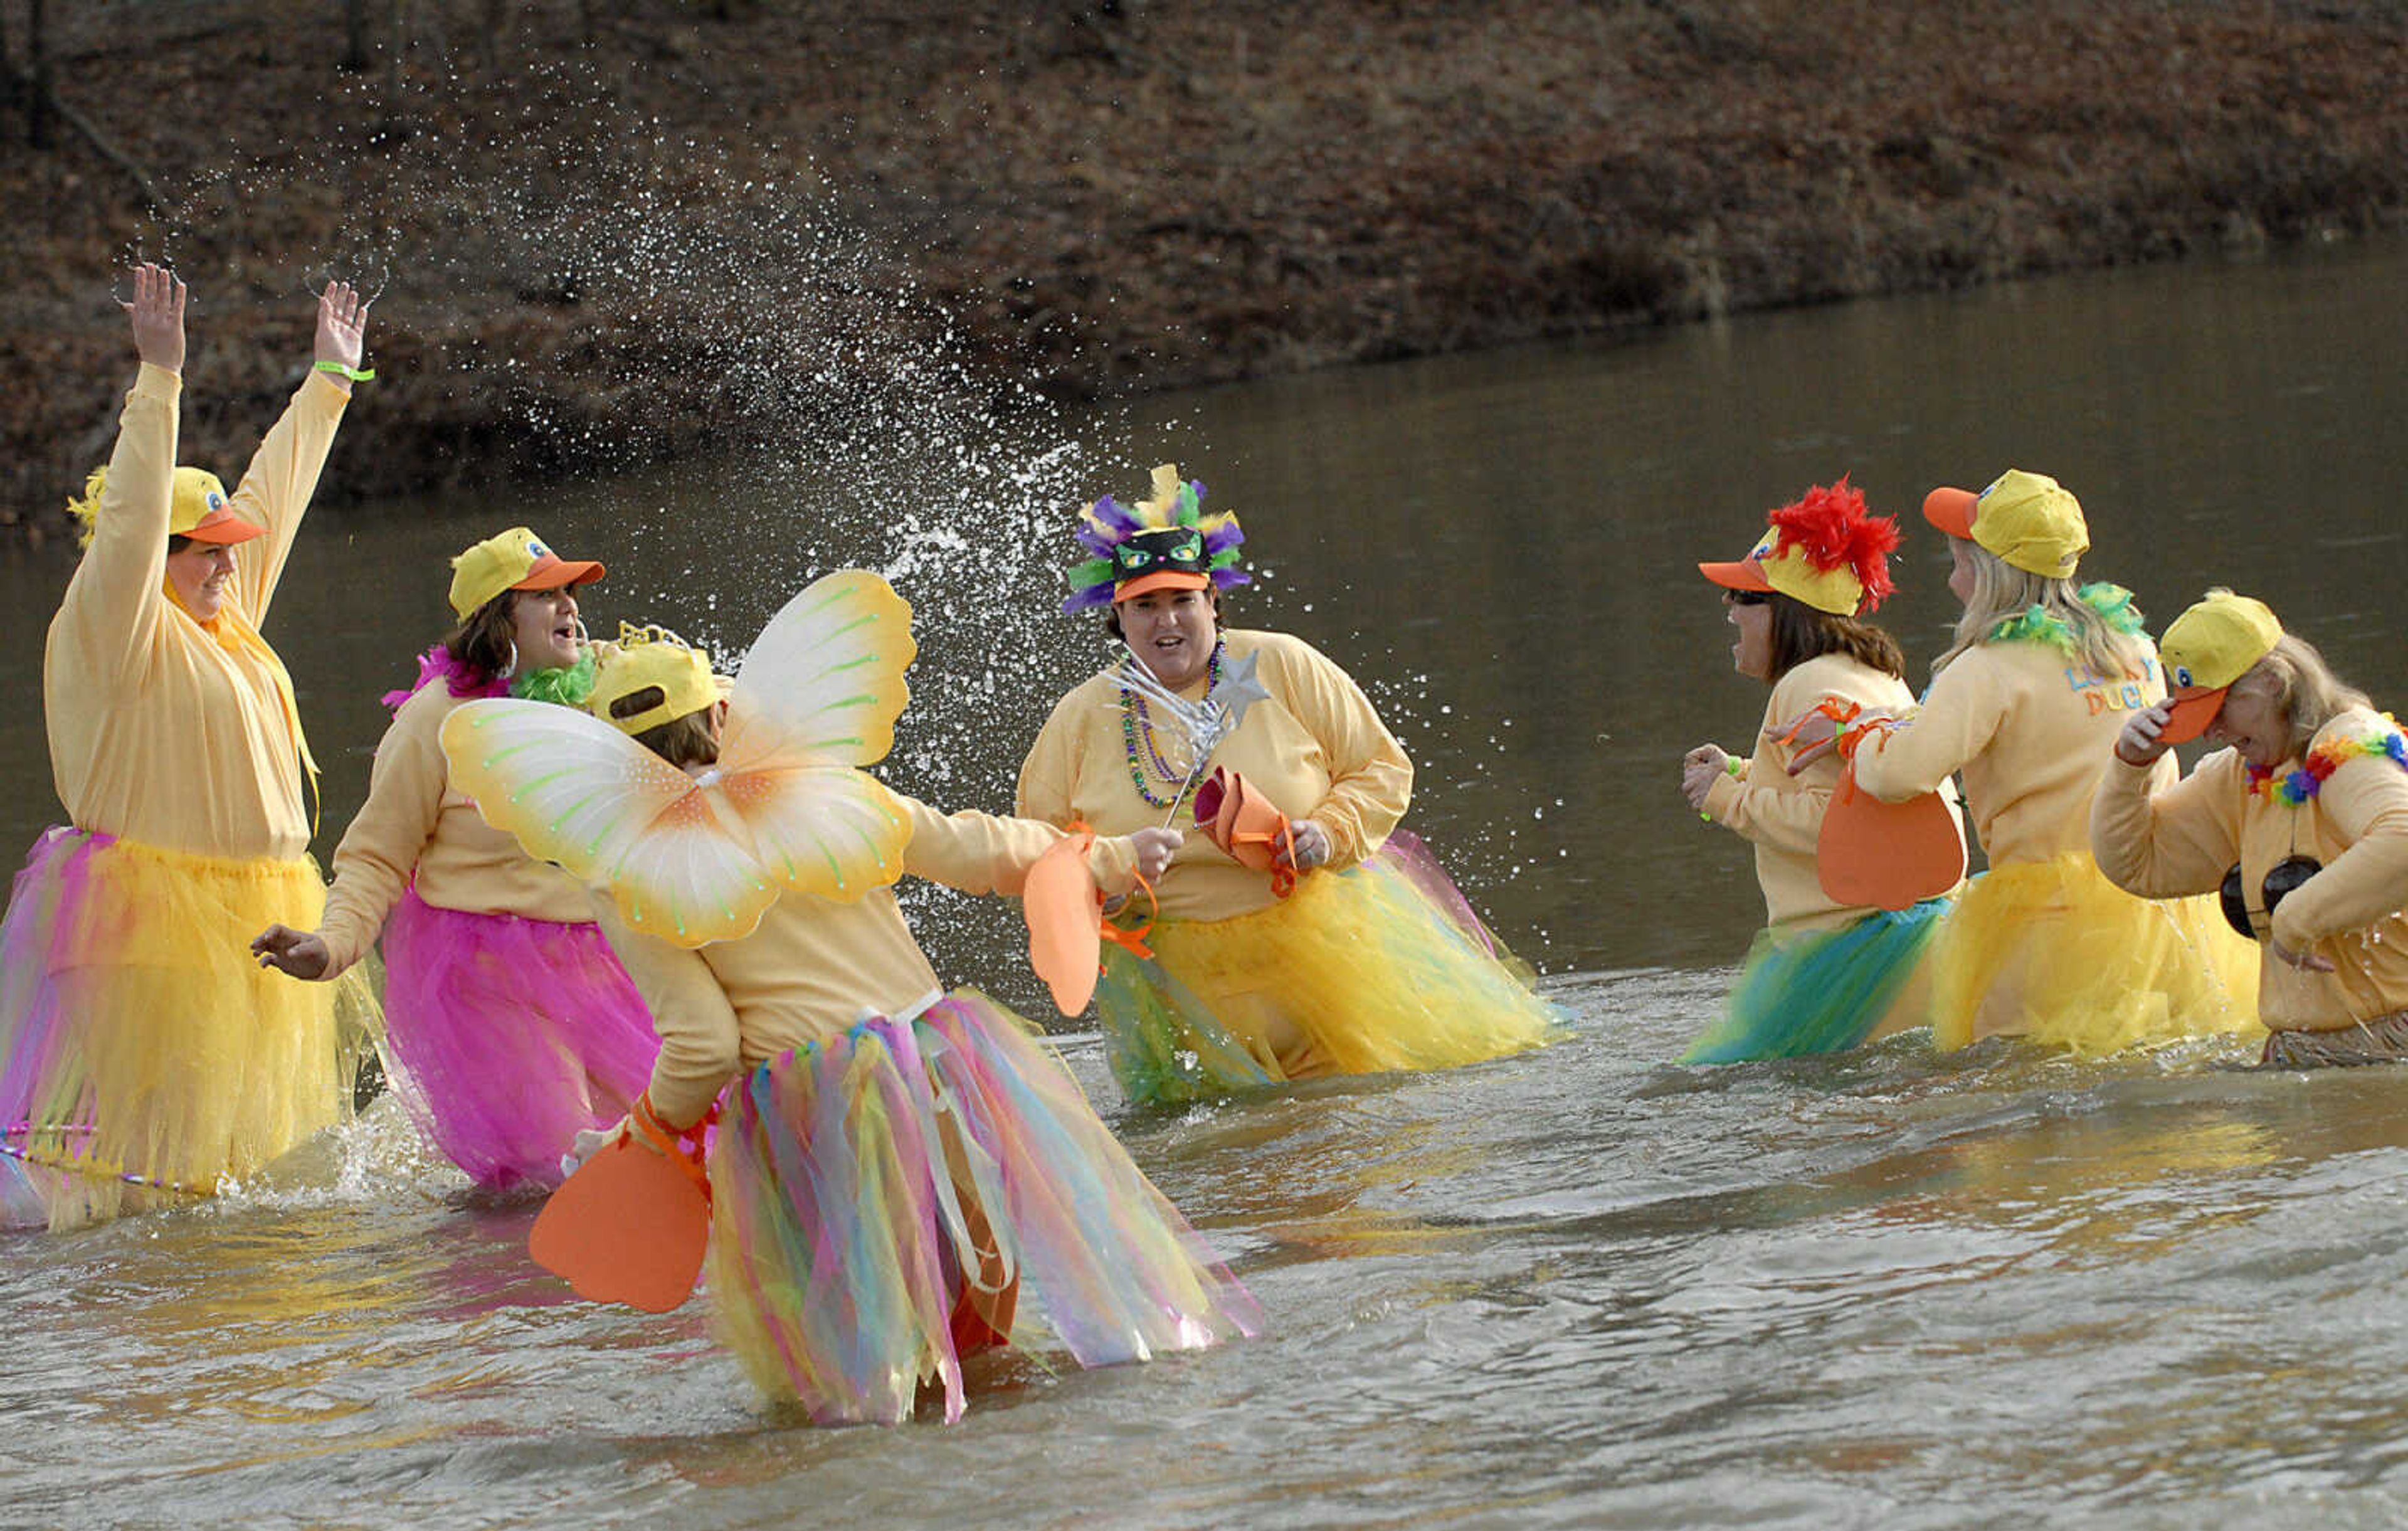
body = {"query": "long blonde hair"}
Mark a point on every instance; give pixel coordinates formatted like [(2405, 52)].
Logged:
[(2303, 689), (2011, 603)]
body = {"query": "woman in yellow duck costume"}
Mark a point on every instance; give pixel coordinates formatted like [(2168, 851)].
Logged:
[(143, 1058), (2026, 704), (1373, 961), (512, 1023), (2299, 821), (891, 1161), (1824, 976)]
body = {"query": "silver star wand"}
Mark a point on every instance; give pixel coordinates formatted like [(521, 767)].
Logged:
[(1205, 721)]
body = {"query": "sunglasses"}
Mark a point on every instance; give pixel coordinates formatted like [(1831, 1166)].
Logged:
[(2282, 879), (1744, 597)]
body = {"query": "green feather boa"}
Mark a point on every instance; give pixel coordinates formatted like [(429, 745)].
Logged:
[(2113, 603)]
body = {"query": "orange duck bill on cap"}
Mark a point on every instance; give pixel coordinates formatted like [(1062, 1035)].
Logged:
[(1952, 510), (1742, 574), (2194, 708), (552, 572), (225, 528)]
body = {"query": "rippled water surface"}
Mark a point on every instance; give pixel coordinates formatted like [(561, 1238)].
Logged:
[(1580, 1288)]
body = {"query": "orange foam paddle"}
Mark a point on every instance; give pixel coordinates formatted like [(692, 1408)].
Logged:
[(1886, 855), (1246, 824), (1066, 921), (629, 1227)]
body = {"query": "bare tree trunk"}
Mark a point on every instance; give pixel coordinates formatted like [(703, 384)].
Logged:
[(497, 21)]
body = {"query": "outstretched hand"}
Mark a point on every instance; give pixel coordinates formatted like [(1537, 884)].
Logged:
[(298, 952), (342, 329), (158, 315), (2138, 743)]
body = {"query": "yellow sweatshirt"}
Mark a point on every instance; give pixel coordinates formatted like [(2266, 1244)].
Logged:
[(2029, 728), (2165, 840), (1316, 749), (159, 733), (415, 825), (1782, 813), (814, 967)]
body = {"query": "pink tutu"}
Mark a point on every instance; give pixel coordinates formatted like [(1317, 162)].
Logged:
[(514, 1035)]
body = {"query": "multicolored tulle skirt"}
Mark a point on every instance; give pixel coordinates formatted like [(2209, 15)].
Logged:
[(880, 1200), (510, 1036), (147, 1058), (2053, 952), (1827, 990), (1378, 969)]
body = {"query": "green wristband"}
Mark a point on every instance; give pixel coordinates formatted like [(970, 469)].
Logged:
[(355, 373)]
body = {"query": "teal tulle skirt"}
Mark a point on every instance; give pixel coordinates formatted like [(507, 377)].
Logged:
[(1826, 992)]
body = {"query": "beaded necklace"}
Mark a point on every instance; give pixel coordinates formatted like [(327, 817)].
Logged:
[(2296, 787), (1137, 737)]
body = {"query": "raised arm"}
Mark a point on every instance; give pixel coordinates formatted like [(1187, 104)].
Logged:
[(283, 474), (113, 604)]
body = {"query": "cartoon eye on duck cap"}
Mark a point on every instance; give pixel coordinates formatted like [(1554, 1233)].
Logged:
[(515, 560), (1825, 549), (197, 508), (2204, 650), (1166, 542)]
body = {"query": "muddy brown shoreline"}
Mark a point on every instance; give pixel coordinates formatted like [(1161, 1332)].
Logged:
[(608, 240)]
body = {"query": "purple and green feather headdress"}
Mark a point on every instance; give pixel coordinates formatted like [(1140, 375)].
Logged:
[(1167, 532)]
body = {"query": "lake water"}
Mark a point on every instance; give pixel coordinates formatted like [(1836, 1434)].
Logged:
[(1581, 1288)]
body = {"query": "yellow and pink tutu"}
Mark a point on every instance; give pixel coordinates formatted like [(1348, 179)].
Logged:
[(2054, 953), (879, 1201), (1381, 967), (147, 1057)]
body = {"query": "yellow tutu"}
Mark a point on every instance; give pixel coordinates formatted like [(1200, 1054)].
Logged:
[(2053, 952), (1381, 968), (147, 1056)]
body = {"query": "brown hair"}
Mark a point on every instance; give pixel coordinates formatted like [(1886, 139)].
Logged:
[(2303, 689), (178, 542), (1800, 632), (680, 742), (483, 641)]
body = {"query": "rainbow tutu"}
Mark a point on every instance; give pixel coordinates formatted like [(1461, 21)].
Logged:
[(880, 1200), (2053, 952), (1381, 968), (510, 1036), (1827, 990), (147, 1058)]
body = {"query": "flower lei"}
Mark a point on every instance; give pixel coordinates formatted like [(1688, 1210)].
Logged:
[(2113, 603), (2293, 788), (568, 686)]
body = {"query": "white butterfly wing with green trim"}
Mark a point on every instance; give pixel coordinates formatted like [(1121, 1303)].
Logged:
[(696, 859)]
